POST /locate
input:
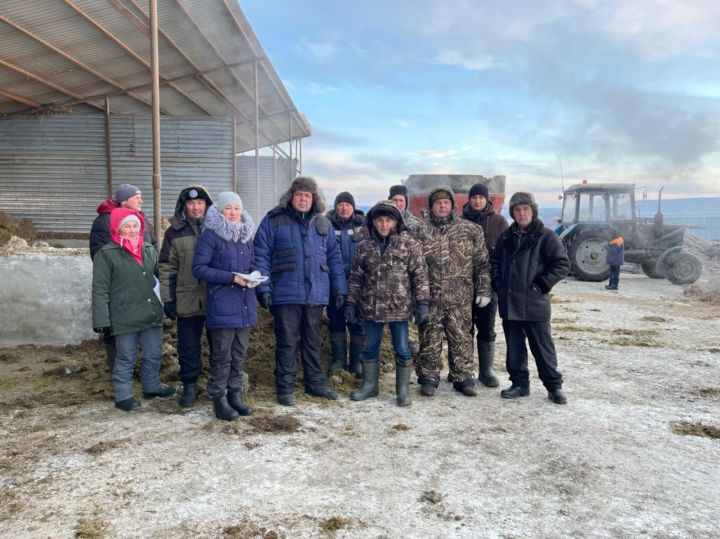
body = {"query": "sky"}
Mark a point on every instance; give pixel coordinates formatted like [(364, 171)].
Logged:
[(546, 93)]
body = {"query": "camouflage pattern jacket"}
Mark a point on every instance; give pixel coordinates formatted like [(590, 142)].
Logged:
[(457, 259), (383, 284)]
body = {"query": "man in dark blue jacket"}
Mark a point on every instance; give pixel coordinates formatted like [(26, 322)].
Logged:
[(349, 225), (528, 260), (295, 246)]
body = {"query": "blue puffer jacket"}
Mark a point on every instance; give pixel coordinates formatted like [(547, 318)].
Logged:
[(300, 255), (221, 250), (349, 234)]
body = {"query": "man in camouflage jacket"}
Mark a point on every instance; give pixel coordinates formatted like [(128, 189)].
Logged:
[(459, 270), (388, 277)]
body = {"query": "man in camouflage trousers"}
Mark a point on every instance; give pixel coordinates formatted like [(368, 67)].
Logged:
[(459, 270)]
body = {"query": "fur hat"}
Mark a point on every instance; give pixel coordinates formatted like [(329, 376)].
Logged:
[(125, 191), (479, 189), (308, 184), (522, 197), (345, 197), (228, 197), (399, 190)]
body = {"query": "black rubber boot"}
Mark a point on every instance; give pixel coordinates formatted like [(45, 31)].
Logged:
[(357, 347), (162, 393), (403, 370), (467, 388), (486, 357), (322, 392), (235, 400), (223, 410), (427, 389), (557, 395), (338, 345), (189, 394), (127, 404), (369, 387)]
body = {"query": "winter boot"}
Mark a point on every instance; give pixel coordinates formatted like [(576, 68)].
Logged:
[(513, 392), (223, 410), (357, 347), (127, 404), (486, 356), (235, 400), (189, 394), (403, 370), (369, 387), (557, 395), (338, 345), (164, 392), (467, 388)]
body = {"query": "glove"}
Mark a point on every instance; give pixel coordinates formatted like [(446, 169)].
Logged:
[(350, 312), (482, 301), (339, 302), (265, 299), (422, 313), (105, 331), (170, 309)]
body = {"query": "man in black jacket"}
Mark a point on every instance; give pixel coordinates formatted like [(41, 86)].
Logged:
[(528, 260)]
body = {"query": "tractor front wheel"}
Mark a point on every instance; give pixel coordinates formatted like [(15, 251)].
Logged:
[(681, 267)]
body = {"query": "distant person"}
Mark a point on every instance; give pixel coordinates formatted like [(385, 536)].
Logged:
[(296, 248), (399, 197), (126, 196), (388, 276), (615, 259), (349, 225), (479, 209), (182, 293), (224, 251), (528, 260), (459, 274), (125, 305)]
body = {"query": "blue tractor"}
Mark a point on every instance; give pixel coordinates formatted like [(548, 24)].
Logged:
[(592, 212)]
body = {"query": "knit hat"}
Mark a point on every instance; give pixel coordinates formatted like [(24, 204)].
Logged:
[(345, 197), (479, 189), (399, 190), (126, 191), (386, 208), (228, 197), (127, 218), (440, 194), (522, 197)]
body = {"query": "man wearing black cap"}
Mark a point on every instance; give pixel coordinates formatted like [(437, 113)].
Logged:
[(349, 225), (479, 209), (459, 274), (528, 260), (182, 294), (126, 196), (399, 197)]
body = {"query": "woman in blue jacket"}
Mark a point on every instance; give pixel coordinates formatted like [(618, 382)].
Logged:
[(224, 251)]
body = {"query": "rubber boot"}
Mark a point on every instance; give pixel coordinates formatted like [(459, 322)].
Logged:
[(357, 347), (486, 356), (223, 410), (369, 387), (189, 394), (338, 345), (235, 400), (403, 370)]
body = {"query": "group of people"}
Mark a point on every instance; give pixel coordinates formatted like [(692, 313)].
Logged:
[(450, 271)]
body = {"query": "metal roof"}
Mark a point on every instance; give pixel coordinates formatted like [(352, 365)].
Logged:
[(60, 55)]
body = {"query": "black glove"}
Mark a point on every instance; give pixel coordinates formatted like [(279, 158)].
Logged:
[(339, 302), (105, 331), (350, 312), (422, 313), (265, 299), (170, 308)]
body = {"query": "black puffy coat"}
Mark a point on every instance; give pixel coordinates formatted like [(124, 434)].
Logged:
[(525, 267)]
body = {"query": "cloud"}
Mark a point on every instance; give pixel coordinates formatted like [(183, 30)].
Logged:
[(320, 52), (320, 89), (474, 61), (401, 123)]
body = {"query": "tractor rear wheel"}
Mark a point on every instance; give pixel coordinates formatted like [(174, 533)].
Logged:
[(588, 256), (650, 268)]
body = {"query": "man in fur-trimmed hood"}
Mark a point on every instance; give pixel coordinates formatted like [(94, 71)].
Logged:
[(295, 246)]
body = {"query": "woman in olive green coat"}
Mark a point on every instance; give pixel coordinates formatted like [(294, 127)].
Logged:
[(124, 304)]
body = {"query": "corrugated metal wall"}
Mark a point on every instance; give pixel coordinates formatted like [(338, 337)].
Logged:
[(53, 168), (273, 183)]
